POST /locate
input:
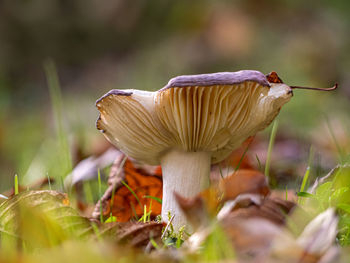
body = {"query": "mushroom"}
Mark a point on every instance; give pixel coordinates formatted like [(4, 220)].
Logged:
[(192, 122)]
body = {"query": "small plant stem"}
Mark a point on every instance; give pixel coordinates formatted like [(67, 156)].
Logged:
[(144, 213), (96, 231), (307, 173), (154, 198), (150, 211), (167, 226), (269, 150), (56, 101), (134, 211), (16, 184), (48, 180), (88, 193), (220, 169), (242, 157), (99, 183), (339, 149), (100, 194), (133, 193), (259, 163)]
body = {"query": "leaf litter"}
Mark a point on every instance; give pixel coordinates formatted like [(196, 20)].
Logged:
[(256, 221)]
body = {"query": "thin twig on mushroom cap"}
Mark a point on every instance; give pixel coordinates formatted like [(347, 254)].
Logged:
[(319, 89)]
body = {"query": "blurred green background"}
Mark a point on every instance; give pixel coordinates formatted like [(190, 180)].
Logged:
[(98, 45)]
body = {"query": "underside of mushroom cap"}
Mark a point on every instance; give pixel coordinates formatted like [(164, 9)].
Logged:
[(128, 121), (210, 112), (218, 118)]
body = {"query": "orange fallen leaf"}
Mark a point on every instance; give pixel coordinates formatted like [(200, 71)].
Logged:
[(130, 190)]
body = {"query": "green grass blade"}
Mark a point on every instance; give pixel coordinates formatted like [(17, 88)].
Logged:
[(304, 194), (88, 193), (154, 198), (16, 185), (99, 183), (48, 180), (134, 211), (96, 231), (150, 211), (337, 145), (259, 162), (100, 194), (117, 175), (307, 173), (132, 192), (220, 170), (154, 244), (269, 151), (57, 106), (242, 157)]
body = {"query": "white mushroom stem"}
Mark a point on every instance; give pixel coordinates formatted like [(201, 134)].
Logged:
[(186, 173)]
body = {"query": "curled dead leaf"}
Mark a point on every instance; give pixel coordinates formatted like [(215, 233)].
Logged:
[(252, 236), (242, 182), (316, 243), (134, 234), (271, 209), (41, 219)]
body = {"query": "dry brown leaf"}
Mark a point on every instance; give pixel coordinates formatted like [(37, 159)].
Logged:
[(201, 209), (272, 209), (251, 237), (134, 234), (272, 77), (316, 243), (242, 182), (252, 226), (251, 223)]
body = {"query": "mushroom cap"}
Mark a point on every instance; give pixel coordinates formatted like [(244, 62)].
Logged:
[(213, 113)]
